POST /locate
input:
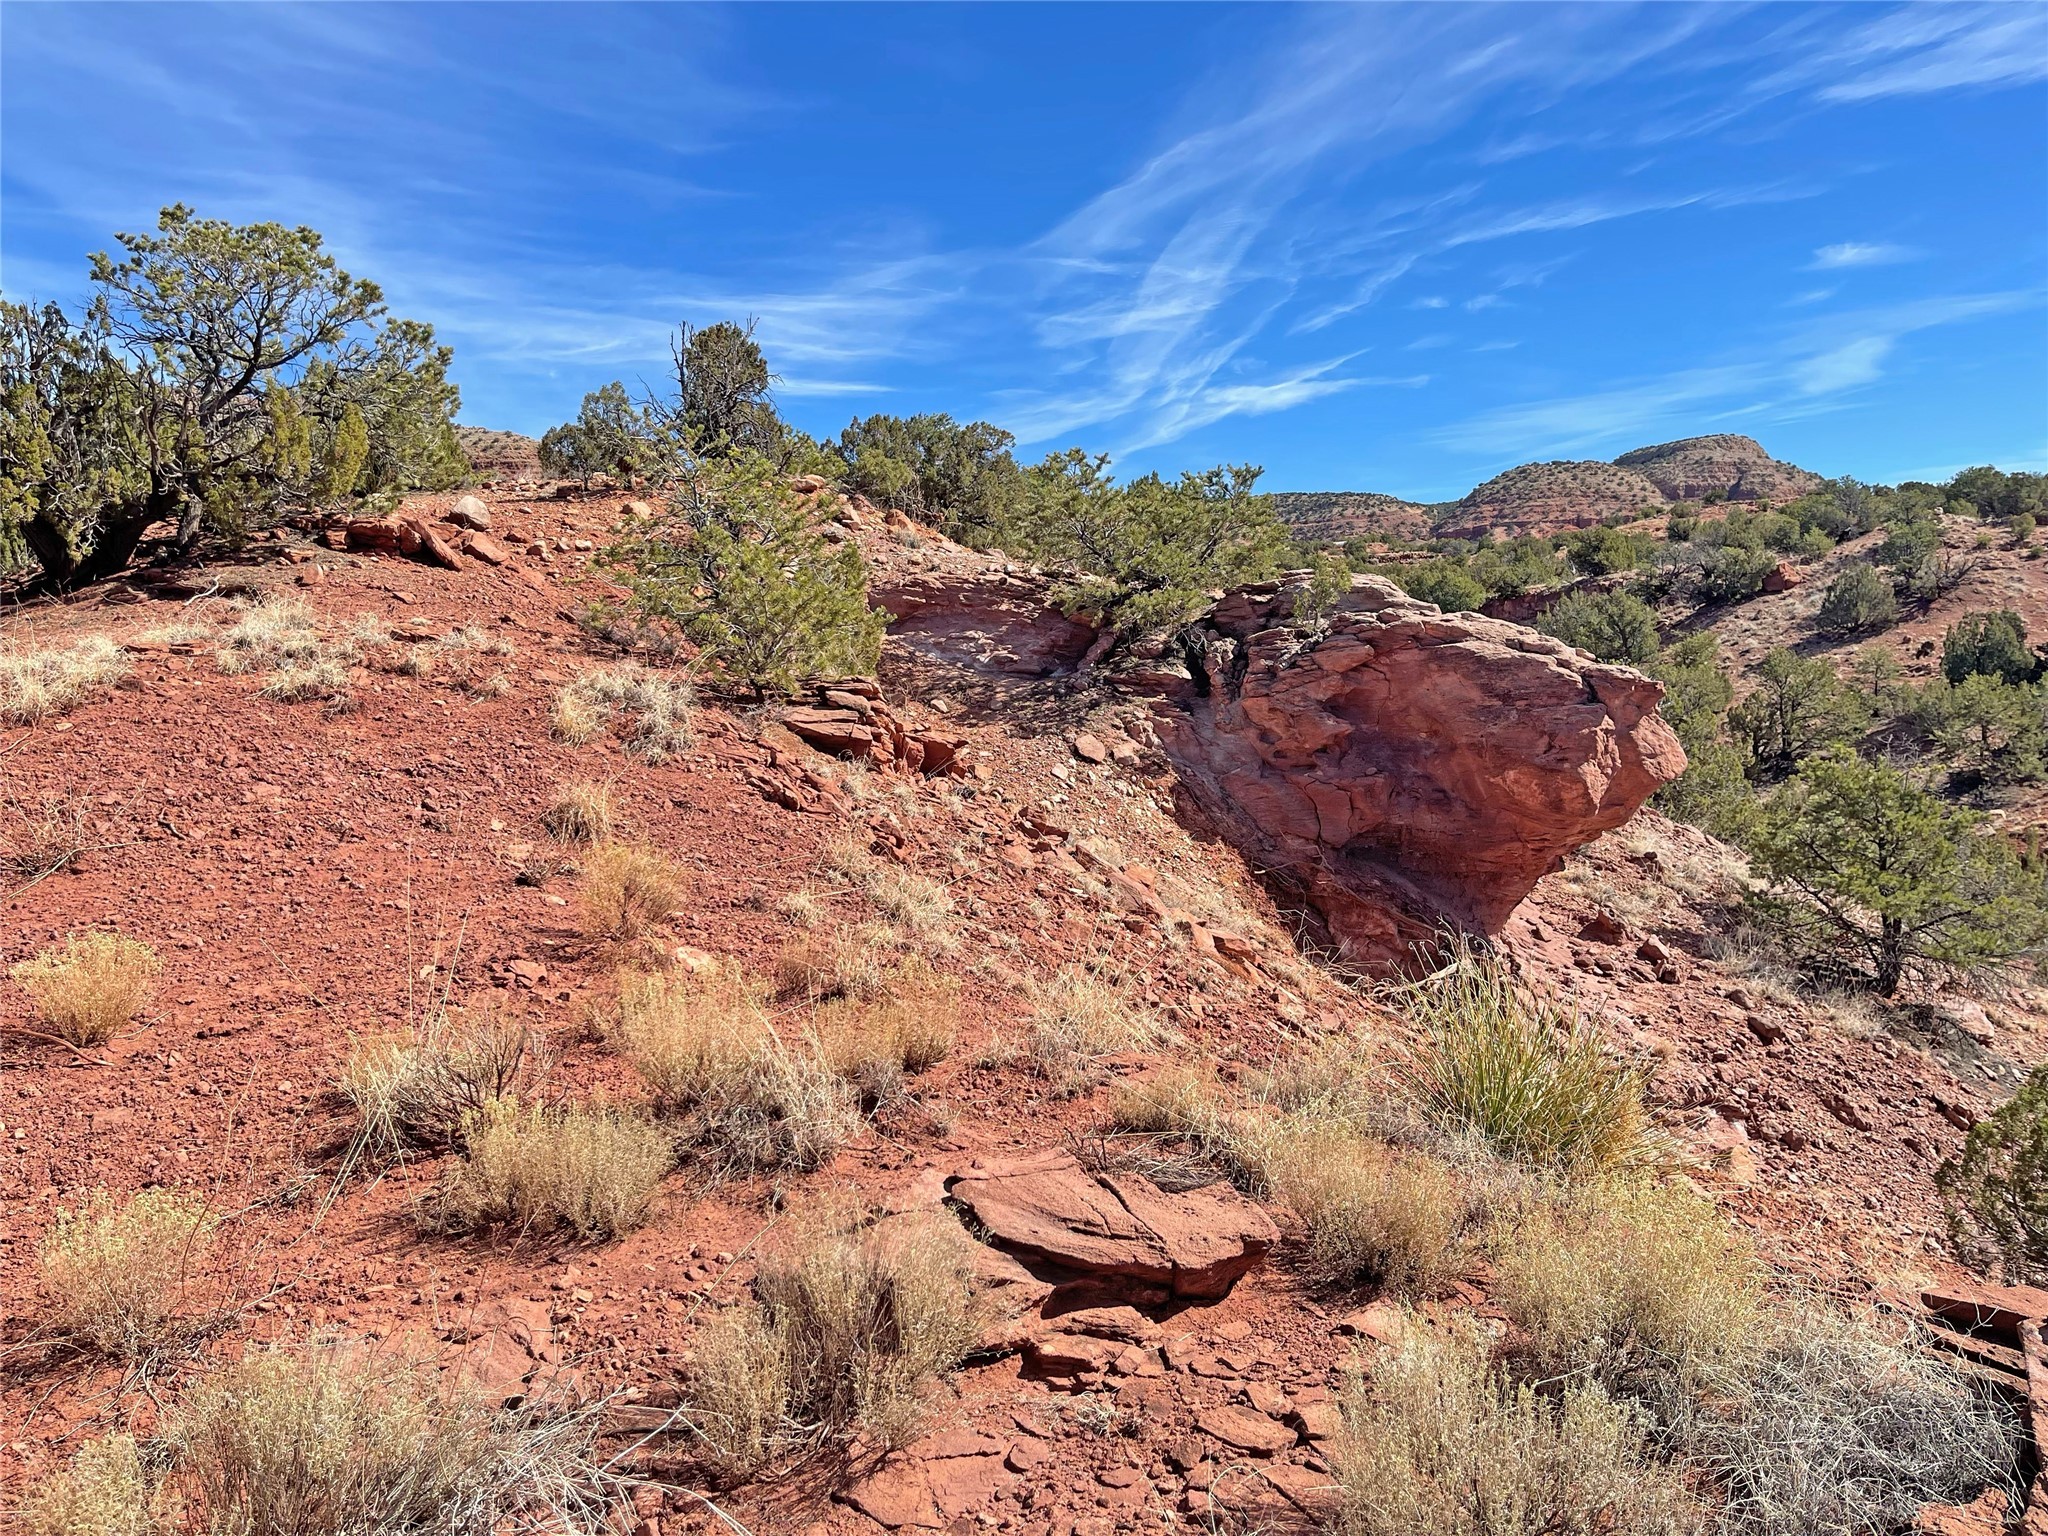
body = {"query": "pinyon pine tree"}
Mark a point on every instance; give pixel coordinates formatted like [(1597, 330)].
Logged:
[(733, 561), (1875, 872)]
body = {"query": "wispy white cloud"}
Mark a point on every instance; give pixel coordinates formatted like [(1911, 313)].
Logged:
[(1860, 253), (1805, 368), (1920, 49), (1844, 367)]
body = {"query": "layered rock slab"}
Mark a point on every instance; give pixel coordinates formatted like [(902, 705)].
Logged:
[(1047, 1206), (1401, 764)]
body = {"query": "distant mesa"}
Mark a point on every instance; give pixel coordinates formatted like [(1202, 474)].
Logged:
[(1736, 466), (1560, 495), (1543, 498), (498, 455)]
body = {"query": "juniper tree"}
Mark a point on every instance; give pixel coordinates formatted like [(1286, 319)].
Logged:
[(1158, 546)]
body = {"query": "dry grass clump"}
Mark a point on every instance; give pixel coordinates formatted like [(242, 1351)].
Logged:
[(687, 1038), (1531, 1081), (119, 1274), (1388, 1216), (627, 892), (1442, 1442), (457, 658), (590, 1172), (50, 838), (909, 1029), (1080, 1018), (281, 636), (103, 1492), (657, 710), (851, 1325), (918, 904), (1838, 1426), (843, 962), (418, 1089), (37, 685), (581, 812), (1643, 1287), (88, 990), (747, 1101), (332, 1441)]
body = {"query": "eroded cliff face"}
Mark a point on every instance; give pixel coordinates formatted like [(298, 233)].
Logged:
[(1402, 765)]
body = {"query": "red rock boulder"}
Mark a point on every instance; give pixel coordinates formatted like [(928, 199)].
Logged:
[(1402, 765), (1047, 1206)]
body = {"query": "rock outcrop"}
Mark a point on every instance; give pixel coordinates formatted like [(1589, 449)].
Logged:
[(1122, 1226), (990, 616), (1403, 765)]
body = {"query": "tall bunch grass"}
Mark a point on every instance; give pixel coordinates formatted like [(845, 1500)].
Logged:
[(851, 1325), (1530, 1080), (1644, 1287), (332, 1440)]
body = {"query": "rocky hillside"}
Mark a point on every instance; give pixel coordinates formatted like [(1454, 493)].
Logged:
[(327, 784), (1735, 467), (507, 457), (1547, 498), (1331, 517), (1553, 497)]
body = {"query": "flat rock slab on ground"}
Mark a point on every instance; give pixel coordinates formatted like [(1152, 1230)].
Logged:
[(1195, 1244)]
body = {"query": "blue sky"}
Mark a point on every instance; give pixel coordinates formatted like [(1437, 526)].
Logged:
[(1372, 248)]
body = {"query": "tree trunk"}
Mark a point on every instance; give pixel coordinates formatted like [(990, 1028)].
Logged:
[(1891, 957), (121, 529)]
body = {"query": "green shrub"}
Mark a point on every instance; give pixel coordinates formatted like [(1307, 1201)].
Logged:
[(1991, 644), (1441, 1442), (1870, 872), (1157, 547), (1614, 626), (1797, 707), (1530, 1081), (1444, 582), (1857, 600), (732, 560), (1996, 1188), (956, 476)]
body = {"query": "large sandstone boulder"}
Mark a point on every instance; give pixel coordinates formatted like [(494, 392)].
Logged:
[(1047, 1206), (1400, 764)]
